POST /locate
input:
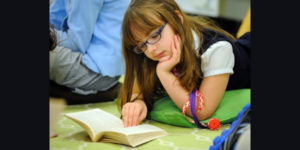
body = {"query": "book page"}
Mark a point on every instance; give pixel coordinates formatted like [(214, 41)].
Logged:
[(144, 128), (115, 137), (96, 121), (137, 135)]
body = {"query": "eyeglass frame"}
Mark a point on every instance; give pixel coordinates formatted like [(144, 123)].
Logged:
[(137, 50)]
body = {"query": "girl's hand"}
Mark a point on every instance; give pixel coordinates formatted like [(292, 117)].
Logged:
[(168, 65), (134, 112)]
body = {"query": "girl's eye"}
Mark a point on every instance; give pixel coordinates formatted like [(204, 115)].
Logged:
[(142, 46), (154, 38)]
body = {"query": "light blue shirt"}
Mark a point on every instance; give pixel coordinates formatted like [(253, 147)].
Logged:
[(92, 27)]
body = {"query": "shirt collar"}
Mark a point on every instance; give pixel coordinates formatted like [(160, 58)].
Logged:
[(196, 40)]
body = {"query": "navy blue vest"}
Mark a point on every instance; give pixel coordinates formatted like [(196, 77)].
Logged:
[(241, 50)]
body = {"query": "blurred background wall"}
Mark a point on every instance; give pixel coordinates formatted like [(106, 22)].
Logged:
[(227, 13)]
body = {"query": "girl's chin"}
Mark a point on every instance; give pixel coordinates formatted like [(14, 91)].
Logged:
[(165, 58)]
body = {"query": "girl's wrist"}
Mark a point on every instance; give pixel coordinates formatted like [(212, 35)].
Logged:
[(141, 101), (163, 69), (163, 73), (138, 100)]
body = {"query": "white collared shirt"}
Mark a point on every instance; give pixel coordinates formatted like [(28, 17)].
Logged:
[(217, 59)]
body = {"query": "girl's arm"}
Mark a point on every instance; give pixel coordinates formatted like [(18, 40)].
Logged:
[(212, 89), (136, 111)]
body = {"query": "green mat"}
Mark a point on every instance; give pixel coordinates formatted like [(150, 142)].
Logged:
[(165, 111), (72, 137)]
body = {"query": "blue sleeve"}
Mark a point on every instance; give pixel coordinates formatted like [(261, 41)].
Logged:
[(82, 18), (57, 13)]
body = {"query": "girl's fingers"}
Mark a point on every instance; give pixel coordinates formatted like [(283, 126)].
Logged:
[(177, 50), (131, 115), (125, 115), (175, 41), (178, 43), (173, 47), (142, 116), (137, 113)]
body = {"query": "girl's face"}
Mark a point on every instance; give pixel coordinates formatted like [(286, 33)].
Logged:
[(159, 49)]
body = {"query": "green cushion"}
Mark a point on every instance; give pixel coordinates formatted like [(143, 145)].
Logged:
[(165, 111)]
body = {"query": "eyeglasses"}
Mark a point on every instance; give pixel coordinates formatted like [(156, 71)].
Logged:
[(154, 38)]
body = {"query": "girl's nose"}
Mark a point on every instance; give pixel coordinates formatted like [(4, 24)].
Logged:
[(151, 47)]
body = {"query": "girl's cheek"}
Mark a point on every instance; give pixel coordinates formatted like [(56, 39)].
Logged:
[(150, 57)]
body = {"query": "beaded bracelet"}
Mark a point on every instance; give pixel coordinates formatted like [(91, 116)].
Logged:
[(187, 104), (213, 123)]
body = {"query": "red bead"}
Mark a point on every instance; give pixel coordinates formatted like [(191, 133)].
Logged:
[(214, 124)]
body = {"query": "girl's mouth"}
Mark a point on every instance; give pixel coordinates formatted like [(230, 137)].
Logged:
[(160, 54)]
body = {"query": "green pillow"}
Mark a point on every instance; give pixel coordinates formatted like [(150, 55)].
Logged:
[(233, 101)]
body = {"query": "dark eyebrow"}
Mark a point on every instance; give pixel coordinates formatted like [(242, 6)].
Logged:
[(137, 41), (140, 42), (149, 35), (156, 31)]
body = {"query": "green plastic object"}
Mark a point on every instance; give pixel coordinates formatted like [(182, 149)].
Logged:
[(233, 101)]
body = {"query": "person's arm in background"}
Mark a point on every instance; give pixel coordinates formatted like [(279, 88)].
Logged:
[(80, 23), (57, 13)]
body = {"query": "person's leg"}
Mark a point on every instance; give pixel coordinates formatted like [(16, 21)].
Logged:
[(67, 69), (57, 90)]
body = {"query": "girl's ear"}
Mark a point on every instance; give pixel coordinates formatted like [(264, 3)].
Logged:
[(178, 13)]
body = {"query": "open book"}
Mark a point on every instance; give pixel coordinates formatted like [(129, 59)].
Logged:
[(105, 127)]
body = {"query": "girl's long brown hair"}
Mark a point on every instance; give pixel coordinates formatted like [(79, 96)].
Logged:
[(141, 18)]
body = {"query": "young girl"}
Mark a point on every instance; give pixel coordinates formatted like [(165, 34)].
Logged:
[(169, 52)]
